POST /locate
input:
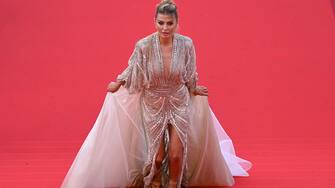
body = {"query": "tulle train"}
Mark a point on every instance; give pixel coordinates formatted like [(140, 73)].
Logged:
[(114, 152)]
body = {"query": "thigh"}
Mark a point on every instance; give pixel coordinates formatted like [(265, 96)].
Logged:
[(161, 152), (175, 145)]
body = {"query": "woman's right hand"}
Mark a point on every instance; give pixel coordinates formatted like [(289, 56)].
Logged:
[(113, 86)]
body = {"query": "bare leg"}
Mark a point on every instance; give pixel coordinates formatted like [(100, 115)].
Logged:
[(156, 182), (175, 157)]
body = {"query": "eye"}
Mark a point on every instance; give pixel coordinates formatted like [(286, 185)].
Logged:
[(160, 23), (170, 23)]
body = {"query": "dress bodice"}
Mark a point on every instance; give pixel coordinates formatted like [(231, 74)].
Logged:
[(146, 69)]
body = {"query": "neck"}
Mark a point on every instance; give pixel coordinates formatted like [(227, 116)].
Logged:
[(165, 41)]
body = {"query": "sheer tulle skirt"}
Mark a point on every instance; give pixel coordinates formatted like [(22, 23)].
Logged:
[(115, 150)]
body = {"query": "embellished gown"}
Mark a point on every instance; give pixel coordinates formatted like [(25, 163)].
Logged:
[(121, 148)]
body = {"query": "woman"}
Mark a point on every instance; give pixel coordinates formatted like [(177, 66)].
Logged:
[(163, 119)]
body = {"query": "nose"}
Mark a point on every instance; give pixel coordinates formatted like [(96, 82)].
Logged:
[(165, 27)]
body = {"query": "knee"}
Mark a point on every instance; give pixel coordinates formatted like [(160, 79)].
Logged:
[(175, 158)]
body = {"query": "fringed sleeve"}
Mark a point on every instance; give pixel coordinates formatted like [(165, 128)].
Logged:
[(190, 75), (133, 75)]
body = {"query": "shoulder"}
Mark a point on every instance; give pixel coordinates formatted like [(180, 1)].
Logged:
[(144, 41), (185, 39)]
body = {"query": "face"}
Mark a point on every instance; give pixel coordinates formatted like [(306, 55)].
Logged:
[(166, 25)]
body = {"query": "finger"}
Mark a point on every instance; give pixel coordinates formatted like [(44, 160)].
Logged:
[(204, 94)]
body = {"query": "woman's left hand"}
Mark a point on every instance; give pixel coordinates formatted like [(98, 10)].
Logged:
[(201, 90)]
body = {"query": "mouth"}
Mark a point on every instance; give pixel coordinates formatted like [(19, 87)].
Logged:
[(165, 33)]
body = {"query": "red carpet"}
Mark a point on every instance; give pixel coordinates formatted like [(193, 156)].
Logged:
[(269, 66), (278, 163)]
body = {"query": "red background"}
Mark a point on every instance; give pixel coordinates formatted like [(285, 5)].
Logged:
[(269, 66)]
